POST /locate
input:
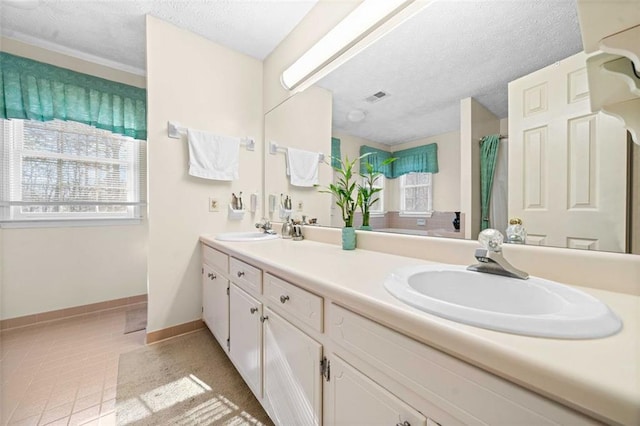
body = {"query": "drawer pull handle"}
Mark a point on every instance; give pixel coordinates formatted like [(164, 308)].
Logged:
[(283, 299), (405, 423), (212, 276), (263, 318), (240, 274), (253, 310)]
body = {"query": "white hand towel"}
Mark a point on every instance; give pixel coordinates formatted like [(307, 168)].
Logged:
[(303, 167), (213, 156)]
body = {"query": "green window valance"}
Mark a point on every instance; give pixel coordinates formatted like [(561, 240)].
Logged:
[(37, 91), (421, 159), (375, 158), (335, 152)]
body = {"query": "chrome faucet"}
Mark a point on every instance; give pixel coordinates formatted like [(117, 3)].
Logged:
[(491, 259), (265, 225)]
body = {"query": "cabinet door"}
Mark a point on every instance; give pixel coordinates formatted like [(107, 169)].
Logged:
[(354, 399), (245, 337), (292, 380), (215, 304)]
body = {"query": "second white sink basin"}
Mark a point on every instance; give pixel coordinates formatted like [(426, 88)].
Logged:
[(246, 236), (534, 307)]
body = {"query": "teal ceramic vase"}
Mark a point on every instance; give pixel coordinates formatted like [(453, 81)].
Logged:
[(348, 238), (365, 228)]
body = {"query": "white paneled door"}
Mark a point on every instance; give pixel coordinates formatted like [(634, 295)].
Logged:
[(292, 379), (354, 399), (567, 165), (215, 304), (245, 334)]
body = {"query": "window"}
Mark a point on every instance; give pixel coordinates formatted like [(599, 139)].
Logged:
[(61, 171), (416, 194), (378, 207)]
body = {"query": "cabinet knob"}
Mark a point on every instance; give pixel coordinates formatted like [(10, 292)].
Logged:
[(240, 274), (405, 423), (283, 299), (212, 276), (253, 310), (264, 318)]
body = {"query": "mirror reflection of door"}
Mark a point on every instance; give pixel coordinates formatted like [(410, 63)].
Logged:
[(565, 177)]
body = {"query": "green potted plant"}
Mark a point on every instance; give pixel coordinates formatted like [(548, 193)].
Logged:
[(367, 191), (345, 192)]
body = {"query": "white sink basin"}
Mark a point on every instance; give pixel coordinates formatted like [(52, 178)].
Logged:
[(534, 307), (246, 236)]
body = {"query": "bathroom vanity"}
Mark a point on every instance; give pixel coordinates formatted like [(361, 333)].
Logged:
[(319, 340)]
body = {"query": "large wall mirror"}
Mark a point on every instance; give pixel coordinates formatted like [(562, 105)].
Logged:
[(452, 74)]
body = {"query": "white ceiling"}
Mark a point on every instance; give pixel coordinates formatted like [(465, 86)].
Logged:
[(114, 30), (451, 50)]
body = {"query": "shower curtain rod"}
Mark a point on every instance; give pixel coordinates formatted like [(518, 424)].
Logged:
[(501, 137)]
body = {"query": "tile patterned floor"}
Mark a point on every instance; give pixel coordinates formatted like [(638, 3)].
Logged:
[(64, 372)]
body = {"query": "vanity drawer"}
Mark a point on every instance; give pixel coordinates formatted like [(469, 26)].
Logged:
[(247, 277), (294, 301), (215, 258)]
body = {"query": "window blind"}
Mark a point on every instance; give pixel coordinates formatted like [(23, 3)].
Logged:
[(59, 170)]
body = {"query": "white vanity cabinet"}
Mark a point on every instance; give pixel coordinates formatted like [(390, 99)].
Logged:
[(351, 398), (245, 337), (312, 361)]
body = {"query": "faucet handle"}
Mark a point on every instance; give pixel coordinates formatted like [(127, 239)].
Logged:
[(491, 239)]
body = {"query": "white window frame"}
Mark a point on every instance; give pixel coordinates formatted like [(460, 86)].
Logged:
[(429, 185), (11, 214)]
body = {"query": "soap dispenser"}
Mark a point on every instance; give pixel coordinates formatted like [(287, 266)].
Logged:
[(516, 234)]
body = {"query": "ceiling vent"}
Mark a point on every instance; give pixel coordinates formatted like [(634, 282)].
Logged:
[(377, 97)]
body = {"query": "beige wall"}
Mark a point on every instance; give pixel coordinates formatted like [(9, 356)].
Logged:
[(303, 122), (19, 48), (475, 122), (46, 269), (205, 86)]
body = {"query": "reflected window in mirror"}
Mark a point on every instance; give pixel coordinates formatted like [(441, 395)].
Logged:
[(378, 207), (416, 194)]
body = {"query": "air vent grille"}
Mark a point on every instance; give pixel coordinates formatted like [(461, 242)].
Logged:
[(377, 97)]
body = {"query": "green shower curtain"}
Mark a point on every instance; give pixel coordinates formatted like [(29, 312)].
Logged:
[(488, 155)]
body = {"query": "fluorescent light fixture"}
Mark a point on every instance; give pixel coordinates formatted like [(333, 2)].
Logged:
[(364, 20)]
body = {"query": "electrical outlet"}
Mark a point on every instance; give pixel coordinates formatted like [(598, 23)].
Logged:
[(421, 222), (300, 206), (214, 205)]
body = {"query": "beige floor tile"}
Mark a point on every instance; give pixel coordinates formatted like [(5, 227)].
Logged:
[(82, 403), (57, 413), (81, 417), (64, 371), (30, 421), (108, 420), (28, 408)]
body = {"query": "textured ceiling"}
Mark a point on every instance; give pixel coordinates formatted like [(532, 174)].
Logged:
[(115, 30), (449, 51)]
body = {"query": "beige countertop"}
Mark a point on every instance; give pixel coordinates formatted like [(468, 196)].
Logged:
[(600, 377)]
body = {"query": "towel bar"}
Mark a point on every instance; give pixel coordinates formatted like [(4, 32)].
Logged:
[(274, 148), (176, 131)]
